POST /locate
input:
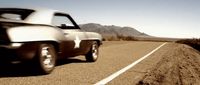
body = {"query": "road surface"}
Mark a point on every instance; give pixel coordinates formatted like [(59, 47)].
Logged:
[(114, 55)]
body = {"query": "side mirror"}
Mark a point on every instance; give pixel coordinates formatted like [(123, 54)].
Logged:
[(63, 26)]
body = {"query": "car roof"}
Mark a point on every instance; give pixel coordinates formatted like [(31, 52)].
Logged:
[(40, 15)]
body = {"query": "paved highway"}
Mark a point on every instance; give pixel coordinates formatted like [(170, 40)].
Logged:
[(76, 71)]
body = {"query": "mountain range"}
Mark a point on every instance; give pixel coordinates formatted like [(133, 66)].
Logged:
[(112, 32)]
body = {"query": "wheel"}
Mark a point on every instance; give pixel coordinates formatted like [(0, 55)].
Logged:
[(93, 54), (45, 58)]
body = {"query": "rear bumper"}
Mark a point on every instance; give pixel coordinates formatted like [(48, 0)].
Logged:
[(17, 51)]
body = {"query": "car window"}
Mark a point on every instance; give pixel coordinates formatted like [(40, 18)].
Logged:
[(62, 21)]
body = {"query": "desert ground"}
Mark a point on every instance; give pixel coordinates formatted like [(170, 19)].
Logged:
[(171, 64)]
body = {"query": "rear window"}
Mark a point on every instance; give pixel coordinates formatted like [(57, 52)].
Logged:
[(14, 14)]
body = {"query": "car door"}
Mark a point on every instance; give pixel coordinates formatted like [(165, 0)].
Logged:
[(76, 40)]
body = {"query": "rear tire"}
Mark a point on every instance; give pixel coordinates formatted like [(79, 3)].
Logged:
[(93, 54), (45, 58)]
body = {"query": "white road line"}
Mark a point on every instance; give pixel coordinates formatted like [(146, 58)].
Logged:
[(114, 75)]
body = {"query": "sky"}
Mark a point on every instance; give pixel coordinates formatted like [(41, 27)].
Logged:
[(161, 18)]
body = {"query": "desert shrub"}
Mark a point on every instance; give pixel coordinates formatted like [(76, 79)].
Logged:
[(129, 38), (126, 38), (119, 38), (195, 43)]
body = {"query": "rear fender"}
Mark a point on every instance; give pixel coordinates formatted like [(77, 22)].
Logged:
[(35, 33), (29, 49)]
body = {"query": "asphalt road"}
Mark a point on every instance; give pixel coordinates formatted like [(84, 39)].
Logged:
[(76, 71)]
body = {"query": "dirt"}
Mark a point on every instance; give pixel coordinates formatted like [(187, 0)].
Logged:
[(179, 65)]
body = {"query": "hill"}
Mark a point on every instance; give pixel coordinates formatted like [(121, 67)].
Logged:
[(113, 32)]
